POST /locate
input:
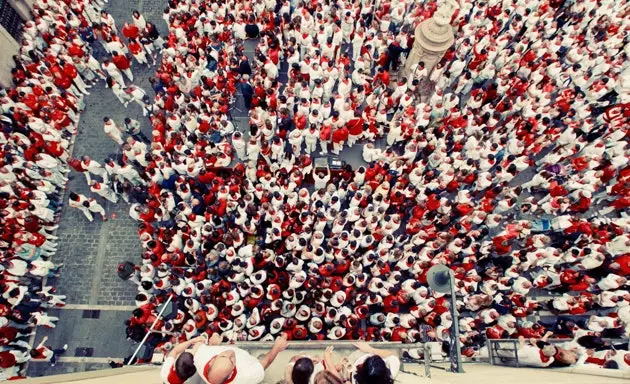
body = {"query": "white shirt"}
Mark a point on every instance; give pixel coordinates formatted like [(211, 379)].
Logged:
[(249, 369)]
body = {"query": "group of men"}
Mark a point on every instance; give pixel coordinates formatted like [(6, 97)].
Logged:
[(513, 171), (40, 114)]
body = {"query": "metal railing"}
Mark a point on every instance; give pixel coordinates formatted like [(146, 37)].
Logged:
[(307, 344), (144, 339), (511, 345)]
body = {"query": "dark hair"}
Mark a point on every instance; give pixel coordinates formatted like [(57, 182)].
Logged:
[(302, 371), (185, 366), (373, 371), (611, 364)]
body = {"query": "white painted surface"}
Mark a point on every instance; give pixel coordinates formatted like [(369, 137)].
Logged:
[(9, 47)]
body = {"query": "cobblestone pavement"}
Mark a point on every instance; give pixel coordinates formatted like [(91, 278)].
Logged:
[(90, 251)]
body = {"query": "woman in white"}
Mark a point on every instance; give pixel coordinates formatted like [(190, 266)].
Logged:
[(138, 20)]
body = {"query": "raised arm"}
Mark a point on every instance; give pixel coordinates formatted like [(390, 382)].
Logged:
[(365, 347), (328, 362), (182, 347), (280, 345)]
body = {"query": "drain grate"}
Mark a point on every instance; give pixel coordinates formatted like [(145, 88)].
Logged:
[(84, 352), (91, 314)]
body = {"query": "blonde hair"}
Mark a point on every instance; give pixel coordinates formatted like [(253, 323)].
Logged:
[(325, 377)]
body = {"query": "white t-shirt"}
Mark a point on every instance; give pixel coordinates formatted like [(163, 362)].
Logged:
[(392, 362), (167, 365), (529, 355), (248, 369)]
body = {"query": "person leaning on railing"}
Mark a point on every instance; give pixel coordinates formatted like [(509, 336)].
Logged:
[(375, 366), (179, 363), (368, 365), (217, 364)]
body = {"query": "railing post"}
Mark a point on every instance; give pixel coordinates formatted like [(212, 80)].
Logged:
[(427, 360), (455, 351)]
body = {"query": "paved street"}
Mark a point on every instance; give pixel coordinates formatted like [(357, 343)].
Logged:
[(90, 252)]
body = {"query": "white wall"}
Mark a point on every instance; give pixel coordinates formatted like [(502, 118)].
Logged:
[(9, 47)]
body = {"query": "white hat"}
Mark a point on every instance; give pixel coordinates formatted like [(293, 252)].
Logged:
[(303, 313), (254, 318), (315, 325), (338, 299), (276, 325)]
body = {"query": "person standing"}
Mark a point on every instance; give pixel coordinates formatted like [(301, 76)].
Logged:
[(112, 130), (123, 64), (112, 70), (104, 191), (132, 127), (227, 364), (248, 92)]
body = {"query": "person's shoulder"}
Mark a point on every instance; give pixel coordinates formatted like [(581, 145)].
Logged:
[(166, 367)]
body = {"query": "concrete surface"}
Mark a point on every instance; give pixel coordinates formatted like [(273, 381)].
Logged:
[(475, 373)]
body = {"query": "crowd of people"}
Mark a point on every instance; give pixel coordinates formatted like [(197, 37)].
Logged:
[(39, 120), (512, 171)]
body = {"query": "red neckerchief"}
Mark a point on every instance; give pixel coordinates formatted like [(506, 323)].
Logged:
[(206, 369), (172, 377), (543, 358)]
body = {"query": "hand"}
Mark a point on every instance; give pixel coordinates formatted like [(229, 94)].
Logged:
[(216, 339), (328, 353), (610, 353), (281, 343), (363, 347)]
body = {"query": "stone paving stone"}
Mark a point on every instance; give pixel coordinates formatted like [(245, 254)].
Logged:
[(78, 238)]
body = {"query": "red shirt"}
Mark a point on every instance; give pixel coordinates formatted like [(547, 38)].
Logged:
[(624, 263), (130, 31), (121, 62), (340, 135)]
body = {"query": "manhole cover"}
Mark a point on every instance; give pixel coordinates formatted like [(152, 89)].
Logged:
[(84, 352), (91, 314)]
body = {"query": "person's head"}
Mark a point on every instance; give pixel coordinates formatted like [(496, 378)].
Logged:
[(220, 368), (566, 356), (325, 377), (302, 371), (184, 366), (373, 371)]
